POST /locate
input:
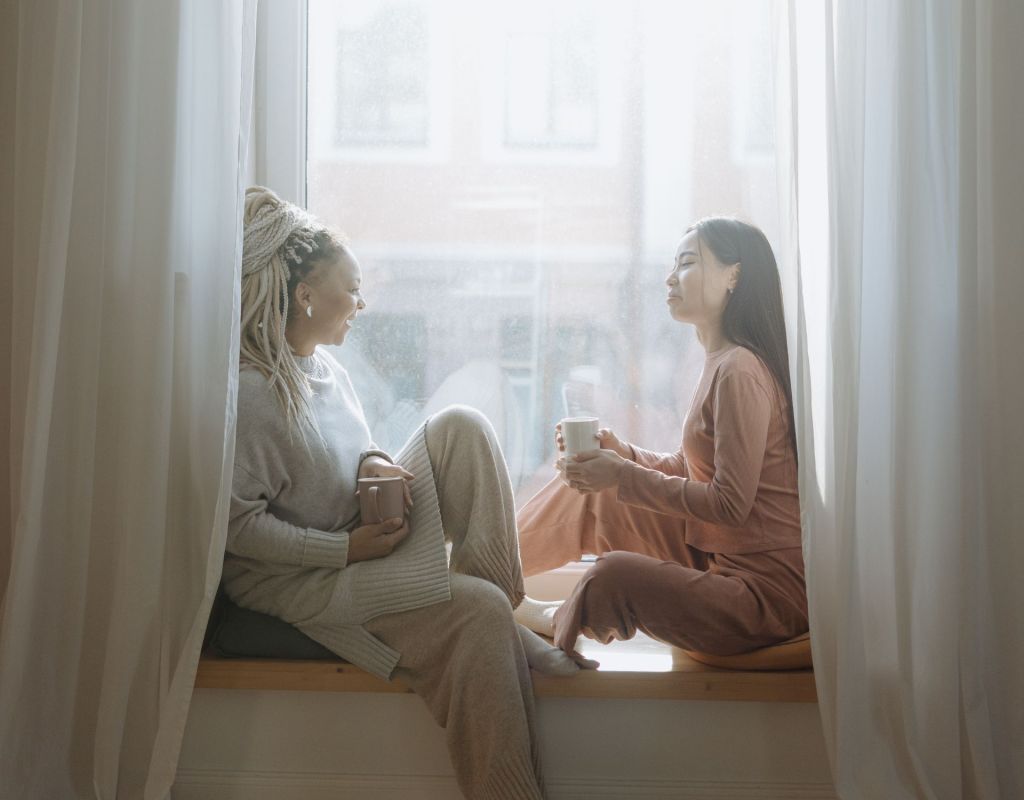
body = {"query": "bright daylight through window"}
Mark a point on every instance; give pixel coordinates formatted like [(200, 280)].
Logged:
[(514, 178)]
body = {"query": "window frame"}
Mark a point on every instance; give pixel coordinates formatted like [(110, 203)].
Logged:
[(280, 98)]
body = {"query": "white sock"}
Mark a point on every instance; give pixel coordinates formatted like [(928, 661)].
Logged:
[(544, 657), (537, 615)]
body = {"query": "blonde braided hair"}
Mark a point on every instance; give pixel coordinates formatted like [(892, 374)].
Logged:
[(281, 243)]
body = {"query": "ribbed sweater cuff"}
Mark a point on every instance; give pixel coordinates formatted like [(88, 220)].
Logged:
[(325, 549), (374, 452)]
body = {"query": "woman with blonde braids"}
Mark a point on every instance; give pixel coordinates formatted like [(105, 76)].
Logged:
[(381, 596)]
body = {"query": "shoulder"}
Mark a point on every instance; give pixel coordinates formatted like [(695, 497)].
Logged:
[(740, 366), (262, 441), (253, 386), (258, 403)]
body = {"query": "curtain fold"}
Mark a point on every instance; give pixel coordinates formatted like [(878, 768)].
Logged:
[(129, 135), (909, 385)]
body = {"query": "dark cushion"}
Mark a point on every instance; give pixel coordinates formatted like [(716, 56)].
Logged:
[(235, 632)]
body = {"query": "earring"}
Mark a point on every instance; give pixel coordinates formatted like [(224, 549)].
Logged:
[(309, 311)]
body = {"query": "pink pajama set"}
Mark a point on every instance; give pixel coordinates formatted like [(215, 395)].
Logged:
[(700, 548)]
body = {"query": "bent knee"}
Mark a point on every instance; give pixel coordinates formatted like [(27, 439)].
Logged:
[(485, 598), (459, 420), (620, 568)]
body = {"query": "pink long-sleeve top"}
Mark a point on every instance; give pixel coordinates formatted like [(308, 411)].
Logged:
[(734, 478)]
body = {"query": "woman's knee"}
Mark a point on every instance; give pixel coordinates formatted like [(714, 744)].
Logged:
[(599, 604), (459, 420), (484, 598), (618, 566)]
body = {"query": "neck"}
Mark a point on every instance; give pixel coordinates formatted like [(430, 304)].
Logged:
[(711, 337), (301, 345)]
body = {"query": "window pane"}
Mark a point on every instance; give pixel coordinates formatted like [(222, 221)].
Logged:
[(381, 76), (514, 179), (551, 87)]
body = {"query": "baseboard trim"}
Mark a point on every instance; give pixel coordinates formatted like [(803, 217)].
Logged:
[(584, 788), (194, 784)]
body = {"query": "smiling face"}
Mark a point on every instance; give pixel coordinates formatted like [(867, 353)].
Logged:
[(333, 293), (698, 285)]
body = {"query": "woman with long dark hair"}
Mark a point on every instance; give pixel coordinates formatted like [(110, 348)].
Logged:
[(699, 548)]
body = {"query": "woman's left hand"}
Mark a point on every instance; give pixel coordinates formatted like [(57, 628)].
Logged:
[(593, 471), (377, 467)]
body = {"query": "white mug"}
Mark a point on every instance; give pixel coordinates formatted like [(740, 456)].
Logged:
[(579, 435)]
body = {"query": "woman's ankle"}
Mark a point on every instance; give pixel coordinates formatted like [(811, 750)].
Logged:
[(537, 615)]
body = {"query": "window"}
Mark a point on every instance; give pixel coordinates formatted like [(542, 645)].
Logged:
[(514, 179), (377, 77), (551, 87), (551, 82), (381, 79)]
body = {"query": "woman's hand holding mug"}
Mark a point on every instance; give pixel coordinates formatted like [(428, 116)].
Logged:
[(587, 468), (377, 467), (607, 440), (593, 471), (377, 539)]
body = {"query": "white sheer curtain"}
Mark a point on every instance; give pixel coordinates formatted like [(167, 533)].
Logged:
[(910, 386), (122, 221)]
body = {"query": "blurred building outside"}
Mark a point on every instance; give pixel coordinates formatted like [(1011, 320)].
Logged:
[(514, 179)]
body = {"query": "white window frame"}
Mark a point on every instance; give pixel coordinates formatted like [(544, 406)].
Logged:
[(279, 118)]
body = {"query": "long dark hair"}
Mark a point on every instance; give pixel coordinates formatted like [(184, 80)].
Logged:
[(753, 317)]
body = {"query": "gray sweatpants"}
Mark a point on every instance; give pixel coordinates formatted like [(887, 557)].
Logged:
[(464, 657)]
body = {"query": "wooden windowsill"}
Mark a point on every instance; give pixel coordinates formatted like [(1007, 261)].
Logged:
[(630, 670)]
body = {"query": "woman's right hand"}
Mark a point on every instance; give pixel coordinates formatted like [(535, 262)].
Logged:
[(376, 541)]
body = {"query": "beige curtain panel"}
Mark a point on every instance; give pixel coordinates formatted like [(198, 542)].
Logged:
[(125, 131)]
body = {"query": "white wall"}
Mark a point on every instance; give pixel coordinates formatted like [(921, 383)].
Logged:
[(255, 745)]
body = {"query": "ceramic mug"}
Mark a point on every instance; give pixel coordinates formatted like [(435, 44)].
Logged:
[(381, 499), (579, 435)]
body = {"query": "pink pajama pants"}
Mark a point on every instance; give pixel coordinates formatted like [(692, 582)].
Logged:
[(647, 578)]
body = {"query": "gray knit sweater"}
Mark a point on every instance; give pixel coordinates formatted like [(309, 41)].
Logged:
[(293, 505)]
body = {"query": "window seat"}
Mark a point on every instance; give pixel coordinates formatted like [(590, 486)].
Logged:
[(638, 669), (291, 734)]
